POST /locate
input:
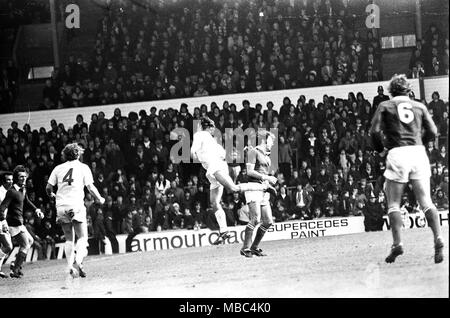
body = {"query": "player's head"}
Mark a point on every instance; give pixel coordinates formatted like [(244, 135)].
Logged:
[(7, 179), (72, 151), (266, 138), (399, 85), (20, 175), (207, 123)]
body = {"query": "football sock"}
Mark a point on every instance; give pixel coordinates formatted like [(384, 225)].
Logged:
[(248, 235), (221, 220), (70, 255), (81, 249), (259, 235), (433, 222), (20, 258), (2, 257), (396, 222)]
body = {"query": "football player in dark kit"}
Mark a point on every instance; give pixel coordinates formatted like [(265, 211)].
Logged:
[(407, 126), (258, 169), (15, 201)]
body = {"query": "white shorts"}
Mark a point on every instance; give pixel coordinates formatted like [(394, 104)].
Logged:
[(14, 230), (407, 163), (213, 167), (66, 214), (260, 197)]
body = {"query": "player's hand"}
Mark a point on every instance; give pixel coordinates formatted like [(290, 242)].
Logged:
[(272, 180), (39, 213), (52, 195), (101, 200)]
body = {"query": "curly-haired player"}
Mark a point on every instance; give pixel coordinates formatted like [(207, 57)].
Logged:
[(407, 125), (212, 157), (71, 177)]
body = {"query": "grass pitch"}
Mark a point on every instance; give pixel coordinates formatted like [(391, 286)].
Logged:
[(335, 266)]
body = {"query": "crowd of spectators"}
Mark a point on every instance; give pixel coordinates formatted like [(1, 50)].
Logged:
[(9, 86), (14, 13), (327, 166), (199, 48), (19, 12), (430, 55)]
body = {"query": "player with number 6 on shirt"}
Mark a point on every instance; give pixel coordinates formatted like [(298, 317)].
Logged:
[(70, 178), (407, 126)]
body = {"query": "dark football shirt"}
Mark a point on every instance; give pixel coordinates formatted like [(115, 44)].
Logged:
[(262, 162), (16, 202), (403, 120)]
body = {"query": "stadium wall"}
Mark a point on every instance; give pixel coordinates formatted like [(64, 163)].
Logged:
[(67, 116), (279, 231), (439, 84)]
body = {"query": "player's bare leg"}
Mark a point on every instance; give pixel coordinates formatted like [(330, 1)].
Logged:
[(255, 215), (266, 213), (225, 180), (69, 248), (422, 191), (215, 197), (81, 245), (394, 191), (6, 248)]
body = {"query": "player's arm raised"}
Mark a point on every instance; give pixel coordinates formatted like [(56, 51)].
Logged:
[(376, 129)]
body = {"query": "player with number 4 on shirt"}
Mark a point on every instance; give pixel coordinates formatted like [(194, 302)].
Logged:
[(70, 178)]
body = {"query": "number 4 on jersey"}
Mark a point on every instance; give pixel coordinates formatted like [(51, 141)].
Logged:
[(68, 177)]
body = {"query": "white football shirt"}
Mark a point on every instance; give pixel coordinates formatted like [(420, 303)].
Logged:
[(207, 149), (2, 193), (2, 196), (71, 177)]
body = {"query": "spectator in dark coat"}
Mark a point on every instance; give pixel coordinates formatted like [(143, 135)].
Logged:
[(379, 98), (302, 204), (373, 215)]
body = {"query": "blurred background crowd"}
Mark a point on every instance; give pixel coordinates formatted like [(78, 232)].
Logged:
[(327, 166)]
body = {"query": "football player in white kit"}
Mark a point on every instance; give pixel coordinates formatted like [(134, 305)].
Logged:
[(5, 238), (71, 177), (212, 157)]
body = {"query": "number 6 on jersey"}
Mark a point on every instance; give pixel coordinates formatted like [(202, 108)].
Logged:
[(405, 113)]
